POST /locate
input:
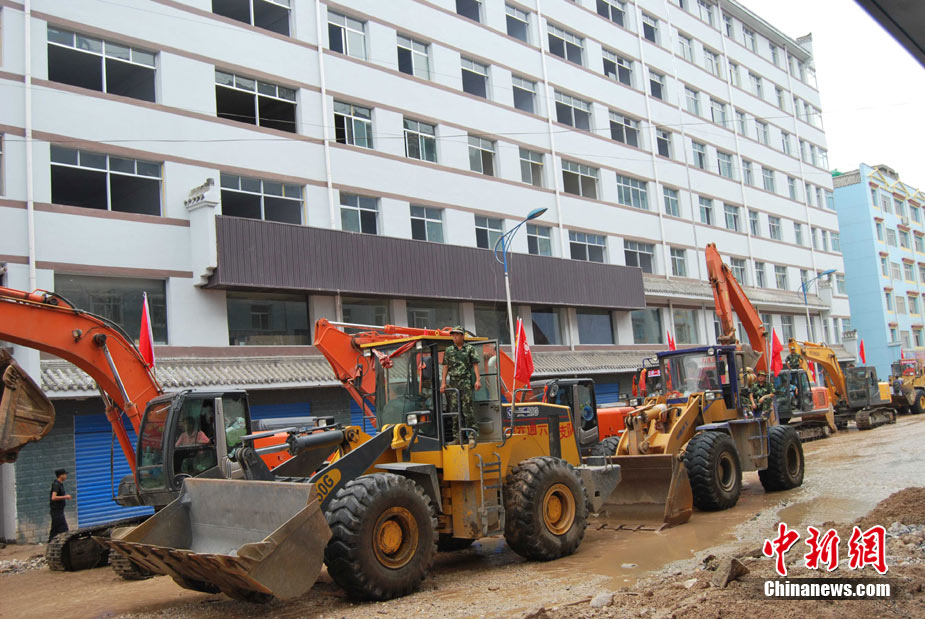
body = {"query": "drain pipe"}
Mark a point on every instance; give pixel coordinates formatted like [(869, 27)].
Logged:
[(332, 211), (30, 198)]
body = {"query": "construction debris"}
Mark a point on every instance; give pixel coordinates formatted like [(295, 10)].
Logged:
[(729, 569)]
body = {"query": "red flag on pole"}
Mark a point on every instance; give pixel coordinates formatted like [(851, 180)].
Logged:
[(671, 345), (861, 352), (812, 371), (523, 358), (635, 388), (776, 349), (146, 338)]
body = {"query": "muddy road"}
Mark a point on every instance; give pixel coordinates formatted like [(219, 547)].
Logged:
[(846, 476)]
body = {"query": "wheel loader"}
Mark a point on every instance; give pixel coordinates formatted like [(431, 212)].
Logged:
[(375, 507), (907, 386)]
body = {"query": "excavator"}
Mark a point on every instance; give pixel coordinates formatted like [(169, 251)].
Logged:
[(808, 409), (131, 394), (856, 392), (418, 481)]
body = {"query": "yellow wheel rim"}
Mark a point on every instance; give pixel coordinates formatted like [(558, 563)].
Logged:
[(558, 509), (395, 537)]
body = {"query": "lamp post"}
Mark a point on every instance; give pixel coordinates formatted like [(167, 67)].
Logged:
[(504, 244), (804, 286)]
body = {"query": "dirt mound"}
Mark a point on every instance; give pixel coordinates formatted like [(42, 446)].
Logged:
[(906, 506)]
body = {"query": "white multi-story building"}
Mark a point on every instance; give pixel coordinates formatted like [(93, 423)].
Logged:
[(257, 164)]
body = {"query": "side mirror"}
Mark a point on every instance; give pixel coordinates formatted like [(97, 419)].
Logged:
[(413, 419)]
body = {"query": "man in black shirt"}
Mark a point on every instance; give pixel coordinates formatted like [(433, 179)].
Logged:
[(58, 502)]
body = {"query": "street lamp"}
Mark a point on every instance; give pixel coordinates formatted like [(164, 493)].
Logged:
[(804, 286), (504, 243)]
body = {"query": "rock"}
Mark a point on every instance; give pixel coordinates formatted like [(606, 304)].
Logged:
[(627, 566), (688, 584), (539, 613), (493, 588), (729, 569), (602, 599), (709, 562)]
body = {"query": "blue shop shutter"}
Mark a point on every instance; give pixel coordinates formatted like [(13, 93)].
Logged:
[(606, 392), (356, 418), (269, 411)]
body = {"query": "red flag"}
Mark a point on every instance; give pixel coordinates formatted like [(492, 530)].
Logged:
[(776, 349), (812, 371), (523, 358), (901, 354), (863, 356), (642, 382), (671, 345), (146, 338), (635, 388)]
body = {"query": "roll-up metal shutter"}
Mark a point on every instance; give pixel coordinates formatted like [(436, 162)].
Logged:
[(268, 411), (606, 392)]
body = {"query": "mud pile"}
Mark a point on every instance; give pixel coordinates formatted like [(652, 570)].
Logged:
[(905, 507)]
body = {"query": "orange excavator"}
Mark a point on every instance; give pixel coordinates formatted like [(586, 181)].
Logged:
[(132, 396), (797, 403)]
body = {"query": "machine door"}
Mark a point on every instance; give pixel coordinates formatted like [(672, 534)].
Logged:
[(804, 391), (857, 382), (192, 437), (784, 403), (585, 414)]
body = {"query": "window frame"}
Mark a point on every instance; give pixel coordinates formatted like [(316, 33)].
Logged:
[(345, 29)]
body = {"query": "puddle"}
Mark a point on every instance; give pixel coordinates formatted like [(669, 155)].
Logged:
[(817, 511)]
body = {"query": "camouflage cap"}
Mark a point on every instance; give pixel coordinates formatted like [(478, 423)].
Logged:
[(762, 373), (458, 330)]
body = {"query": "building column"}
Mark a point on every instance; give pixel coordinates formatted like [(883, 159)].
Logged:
[(623, 327), (467, 316), (398, 312)]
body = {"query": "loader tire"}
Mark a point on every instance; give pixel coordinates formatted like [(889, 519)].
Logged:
[(448, 543), (607, 447), (546, 509), (918, 404), (126, 569), (785, 460), (713, 469), (384, 537)]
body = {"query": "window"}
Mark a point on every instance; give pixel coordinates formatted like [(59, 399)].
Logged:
[(893, 332), (786, 323), (547, 325), (718, 112), (261, 199), (706, 211), (347, 35), (884, 266), (732, 218), (657, 85), (904, 239), (764, 135), (873, 197), (270, 15), (471, 9), (614, 10), (663, 142), (700, 155), (916, 213), (891, 237), (692, 99), (618, 68), (539, 242), (517, 22), (741, 123), (889, 304), (754, 223), (475, 78), (917, 332), (780, 276), (767, 176), (725, 164), (487, 231), (588, 247), (781, 99), (678, 262), (809, 194), (594, 327), (711, 62), (579, 179), (105, 182), (624, 129), (785, 142), (119, 299), (823, 159), (738, 270), (747, 174), (757, 85), (798, 233), (267, 319), (427, 224), (573, 112), (432, 314), (481, 155), (353, 124), (685, 326), (647, 326), (804, 276), (650, 28), (899, 207), (413, 58), (671, 202), (908, 272), (531, 167), (734, 74), (919, 242), (420, 140), (640, 255), (886, 204), (565, 44), (686, 47), (774, 230), (750, 40), (728, 26), (904, 334), (105, 66), (706, 11), (760, 279), (792, 188), (632, 192), (896, 271), (922, 273), (524, 94), (359, 213), (836, 242), (913, 302), (254, 102), (365, 311), (879, 227)]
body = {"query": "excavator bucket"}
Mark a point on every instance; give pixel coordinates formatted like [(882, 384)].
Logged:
[(654, 489), (26, 413), (248, 539)]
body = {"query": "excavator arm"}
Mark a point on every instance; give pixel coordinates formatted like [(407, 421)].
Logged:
[(49, 323), (825, 357), (728, 296)]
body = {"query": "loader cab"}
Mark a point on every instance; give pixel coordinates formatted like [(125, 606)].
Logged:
[(578, 395), (792, 394), (188, 434), (710, 370), (863, 387)]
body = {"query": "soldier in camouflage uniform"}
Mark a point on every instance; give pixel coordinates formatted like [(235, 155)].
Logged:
[(764, 404), (745, 392), (793, 361), (461, 371)]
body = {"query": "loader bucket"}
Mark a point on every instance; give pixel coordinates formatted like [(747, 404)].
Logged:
[(245, 538), (654, 489), (26, 413)]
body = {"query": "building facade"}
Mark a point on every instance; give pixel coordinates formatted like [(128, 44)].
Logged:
[(883, 237), (254, 165)]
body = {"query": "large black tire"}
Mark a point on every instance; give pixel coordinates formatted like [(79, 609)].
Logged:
[(448, 543), (785, 460), (918, 403), (384, 537), (126, 569), (713, 469), (607, 447), (546, 509)]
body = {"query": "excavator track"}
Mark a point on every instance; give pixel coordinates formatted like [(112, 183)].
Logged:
[(75, 550), (870, 418), (126, 569), (809, 433)]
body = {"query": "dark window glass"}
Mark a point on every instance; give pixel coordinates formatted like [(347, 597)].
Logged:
[(118, 299), (595, 327), (267, 319)]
